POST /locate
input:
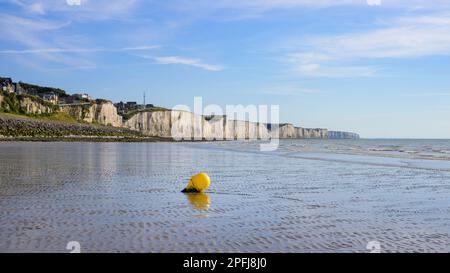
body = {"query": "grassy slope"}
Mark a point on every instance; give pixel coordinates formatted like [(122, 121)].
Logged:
[(59, 117)]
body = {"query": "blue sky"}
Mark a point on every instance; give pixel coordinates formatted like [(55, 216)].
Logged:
[(377, 68)]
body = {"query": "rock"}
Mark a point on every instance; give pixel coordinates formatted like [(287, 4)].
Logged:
[(104, 113), (32, 107), (28, 127), (151, 123)]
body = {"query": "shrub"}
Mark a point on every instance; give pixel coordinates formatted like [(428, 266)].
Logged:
[(43, 89)]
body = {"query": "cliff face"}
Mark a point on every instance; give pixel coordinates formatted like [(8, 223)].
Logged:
[(104, 113), (214, 128), (79, 112), (173, 124), (156, 123), (289, 131), (33, 107), (25, 104), (315, 133), (26, 98), (342, 135), (186, 125), (237, 129)]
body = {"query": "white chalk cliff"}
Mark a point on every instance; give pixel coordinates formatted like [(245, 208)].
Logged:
[(187, 125)]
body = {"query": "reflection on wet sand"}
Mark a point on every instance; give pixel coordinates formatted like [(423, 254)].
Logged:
[(124, 197), (199, 201)]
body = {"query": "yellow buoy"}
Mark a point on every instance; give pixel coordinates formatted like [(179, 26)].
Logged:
[(198, 183)]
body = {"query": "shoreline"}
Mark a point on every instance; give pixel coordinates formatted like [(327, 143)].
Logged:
[(15, 127), (23, 128), (83, 139)]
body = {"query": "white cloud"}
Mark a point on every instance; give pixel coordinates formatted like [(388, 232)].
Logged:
[(187, 61), (317, 70), (37, 8), (407, 37), (321, 65), (416, 38)]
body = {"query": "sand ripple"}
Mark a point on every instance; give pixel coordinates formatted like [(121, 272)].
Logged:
[(124, 197)]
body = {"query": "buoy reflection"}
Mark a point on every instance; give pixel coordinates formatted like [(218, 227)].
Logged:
[(199, 201)]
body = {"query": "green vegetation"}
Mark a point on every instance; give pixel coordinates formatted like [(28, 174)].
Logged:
[(27, 116), (39, 100), (42, 89), (58, 116), (10, 104), (102, 101), (85, 108)]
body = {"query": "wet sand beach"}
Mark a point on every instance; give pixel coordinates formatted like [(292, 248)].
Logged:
[(125, 197)]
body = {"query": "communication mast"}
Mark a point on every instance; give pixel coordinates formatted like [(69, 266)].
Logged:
[(144, 101)]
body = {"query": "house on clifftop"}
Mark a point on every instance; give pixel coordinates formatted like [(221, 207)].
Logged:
[(7, 85)]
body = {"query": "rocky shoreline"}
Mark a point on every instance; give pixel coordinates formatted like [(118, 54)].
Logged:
[(15, 128)]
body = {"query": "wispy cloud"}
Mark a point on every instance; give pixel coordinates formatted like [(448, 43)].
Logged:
[(187, 61), (35, 33), (406, 37), (75, 50), (271, 4), (46, 42), (11, 23), (137, 48), (250, 9), (322, 65), (289, 91), (428, 94), (88, 9)]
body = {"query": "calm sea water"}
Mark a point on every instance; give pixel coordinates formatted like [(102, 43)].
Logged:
[(308, 196)]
